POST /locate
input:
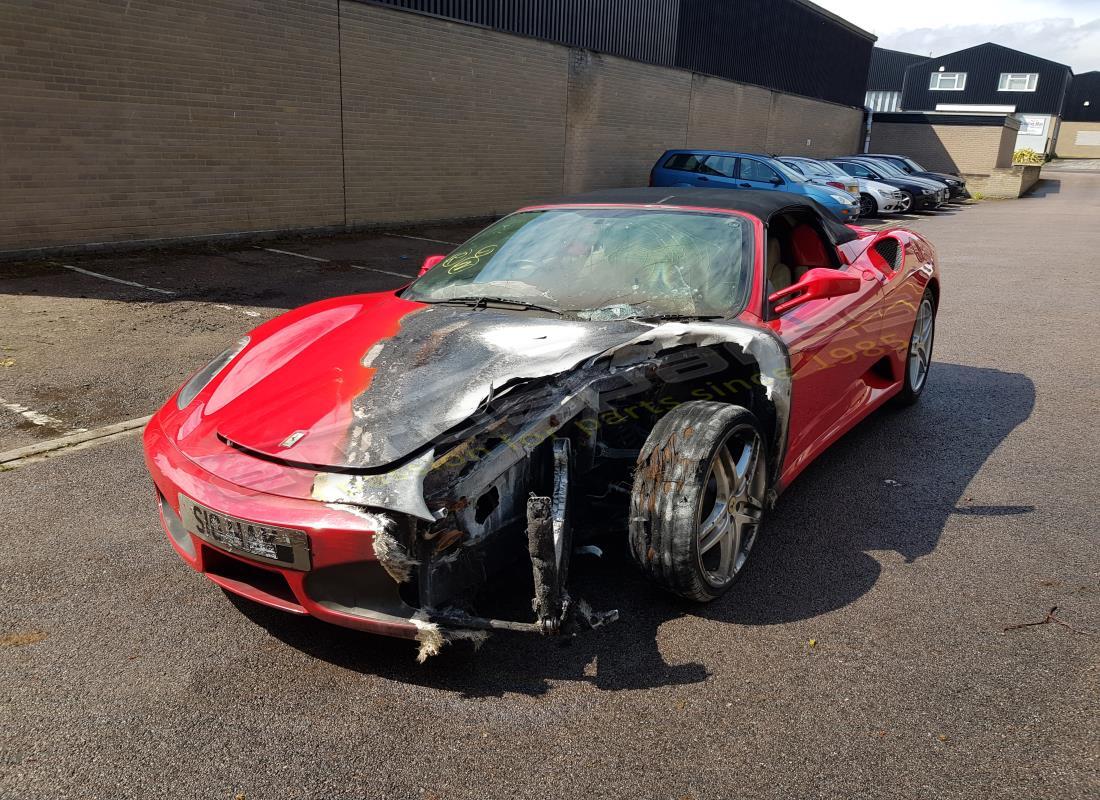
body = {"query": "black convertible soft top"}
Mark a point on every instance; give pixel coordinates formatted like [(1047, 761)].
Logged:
[(758, 202)]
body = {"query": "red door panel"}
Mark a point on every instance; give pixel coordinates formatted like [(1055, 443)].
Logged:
[(833, 343)]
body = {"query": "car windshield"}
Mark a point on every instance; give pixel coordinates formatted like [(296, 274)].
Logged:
[(886, 168), (601, 263), (790, 174), (827, 169), (913, 165)]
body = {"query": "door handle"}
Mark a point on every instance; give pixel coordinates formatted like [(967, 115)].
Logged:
[(704, 178), (745, 185)]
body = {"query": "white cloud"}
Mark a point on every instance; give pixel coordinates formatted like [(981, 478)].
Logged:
[(1066, 31)]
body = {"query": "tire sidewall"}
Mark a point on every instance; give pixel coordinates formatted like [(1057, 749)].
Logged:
[(665, 507)]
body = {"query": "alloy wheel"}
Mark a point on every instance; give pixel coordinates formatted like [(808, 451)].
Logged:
[(920, 348), (733, 506)]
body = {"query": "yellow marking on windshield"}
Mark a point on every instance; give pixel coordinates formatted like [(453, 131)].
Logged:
[(465, 259)]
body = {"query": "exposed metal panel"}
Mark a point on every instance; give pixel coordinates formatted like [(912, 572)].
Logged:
[(983, 66), (781, 44), (887, 72), (1084, 89), (882, 101)]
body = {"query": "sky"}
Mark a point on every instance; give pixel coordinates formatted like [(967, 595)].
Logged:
[(1066, 31)]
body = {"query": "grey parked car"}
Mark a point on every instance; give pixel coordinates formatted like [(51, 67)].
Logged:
[(890, 171), (875, 197), (956, 185)]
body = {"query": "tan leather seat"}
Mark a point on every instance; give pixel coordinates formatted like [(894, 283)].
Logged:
[(779, 274)]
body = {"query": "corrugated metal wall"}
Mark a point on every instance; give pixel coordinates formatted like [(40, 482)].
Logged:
[(887, 72), (787, 45), (644, 30), (1085, 88), (780, 44), (983, 66)]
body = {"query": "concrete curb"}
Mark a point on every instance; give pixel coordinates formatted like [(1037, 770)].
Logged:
[(36, 452)]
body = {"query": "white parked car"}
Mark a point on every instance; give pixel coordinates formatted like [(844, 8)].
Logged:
[(875, 197)]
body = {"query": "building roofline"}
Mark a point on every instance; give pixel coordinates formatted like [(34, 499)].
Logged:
[(901, 52), (1066, 67), (829, 15)]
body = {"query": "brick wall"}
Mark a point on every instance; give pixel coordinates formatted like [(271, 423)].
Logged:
[(128, 120), (729, 116), (164, 118), (1004, 183), (621, 115), (947, 148), (801, 126), (1067, 147), (447, 120)]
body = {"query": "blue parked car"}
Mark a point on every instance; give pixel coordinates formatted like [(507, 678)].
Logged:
[(718, 169)]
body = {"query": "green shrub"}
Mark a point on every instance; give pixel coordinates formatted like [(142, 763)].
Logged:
[(1027, 156)]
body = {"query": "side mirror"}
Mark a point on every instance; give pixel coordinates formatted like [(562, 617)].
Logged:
[(777, 181), (817, 284), (429, 262)]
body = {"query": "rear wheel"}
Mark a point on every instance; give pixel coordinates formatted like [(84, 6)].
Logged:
[(867, 205), (697, 505), (919, 354)]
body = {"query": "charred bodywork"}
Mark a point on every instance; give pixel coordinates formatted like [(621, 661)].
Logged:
[(426, 449)]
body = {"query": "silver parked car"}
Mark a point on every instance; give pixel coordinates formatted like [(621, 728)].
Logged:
[(875, 197), (943, 193)]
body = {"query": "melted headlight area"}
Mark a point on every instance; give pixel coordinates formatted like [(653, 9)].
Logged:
[(488, 516)]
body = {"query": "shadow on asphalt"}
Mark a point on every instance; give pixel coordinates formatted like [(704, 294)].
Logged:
[(889, 485), (1044, 187)]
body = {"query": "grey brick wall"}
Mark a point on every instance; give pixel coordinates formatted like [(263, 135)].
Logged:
[(447, 120), (130, 120), (622, 115), (166, 118)]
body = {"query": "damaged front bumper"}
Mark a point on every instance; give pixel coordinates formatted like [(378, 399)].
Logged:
[(357, 567)]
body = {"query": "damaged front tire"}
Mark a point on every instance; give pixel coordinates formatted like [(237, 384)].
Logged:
[(697, 504)]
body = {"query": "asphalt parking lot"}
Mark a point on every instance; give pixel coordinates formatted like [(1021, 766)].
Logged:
[(864, 654)]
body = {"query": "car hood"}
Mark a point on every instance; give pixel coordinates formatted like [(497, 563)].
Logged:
[(365, 382)]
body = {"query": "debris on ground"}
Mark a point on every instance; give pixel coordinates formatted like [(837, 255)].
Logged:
[(20, 639), (1050, 619)]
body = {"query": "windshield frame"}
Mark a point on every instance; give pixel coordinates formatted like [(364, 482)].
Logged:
[(752, 249)]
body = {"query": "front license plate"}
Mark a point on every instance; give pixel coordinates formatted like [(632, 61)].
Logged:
[(284, 547)]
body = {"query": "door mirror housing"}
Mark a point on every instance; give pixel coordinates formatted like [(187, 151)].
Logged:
[(429, 262), (776, 181), (817, 284)]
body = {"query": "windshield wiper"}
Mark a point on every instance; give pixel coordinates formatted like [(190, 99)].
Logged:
[(483, 302)]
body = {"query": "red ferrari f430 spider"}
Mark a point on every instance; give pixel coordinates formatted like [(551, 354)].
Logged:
[(378, 460)]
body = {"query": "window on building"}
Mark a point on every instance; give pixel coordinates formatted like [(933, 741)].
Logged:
[(1018, 82), (947, 81)]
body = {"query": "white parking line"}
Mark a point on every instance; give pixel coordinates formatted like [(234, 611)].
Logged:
[(116, 280), (37, 417), (296, 255), (421, 239), (383, 271)]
